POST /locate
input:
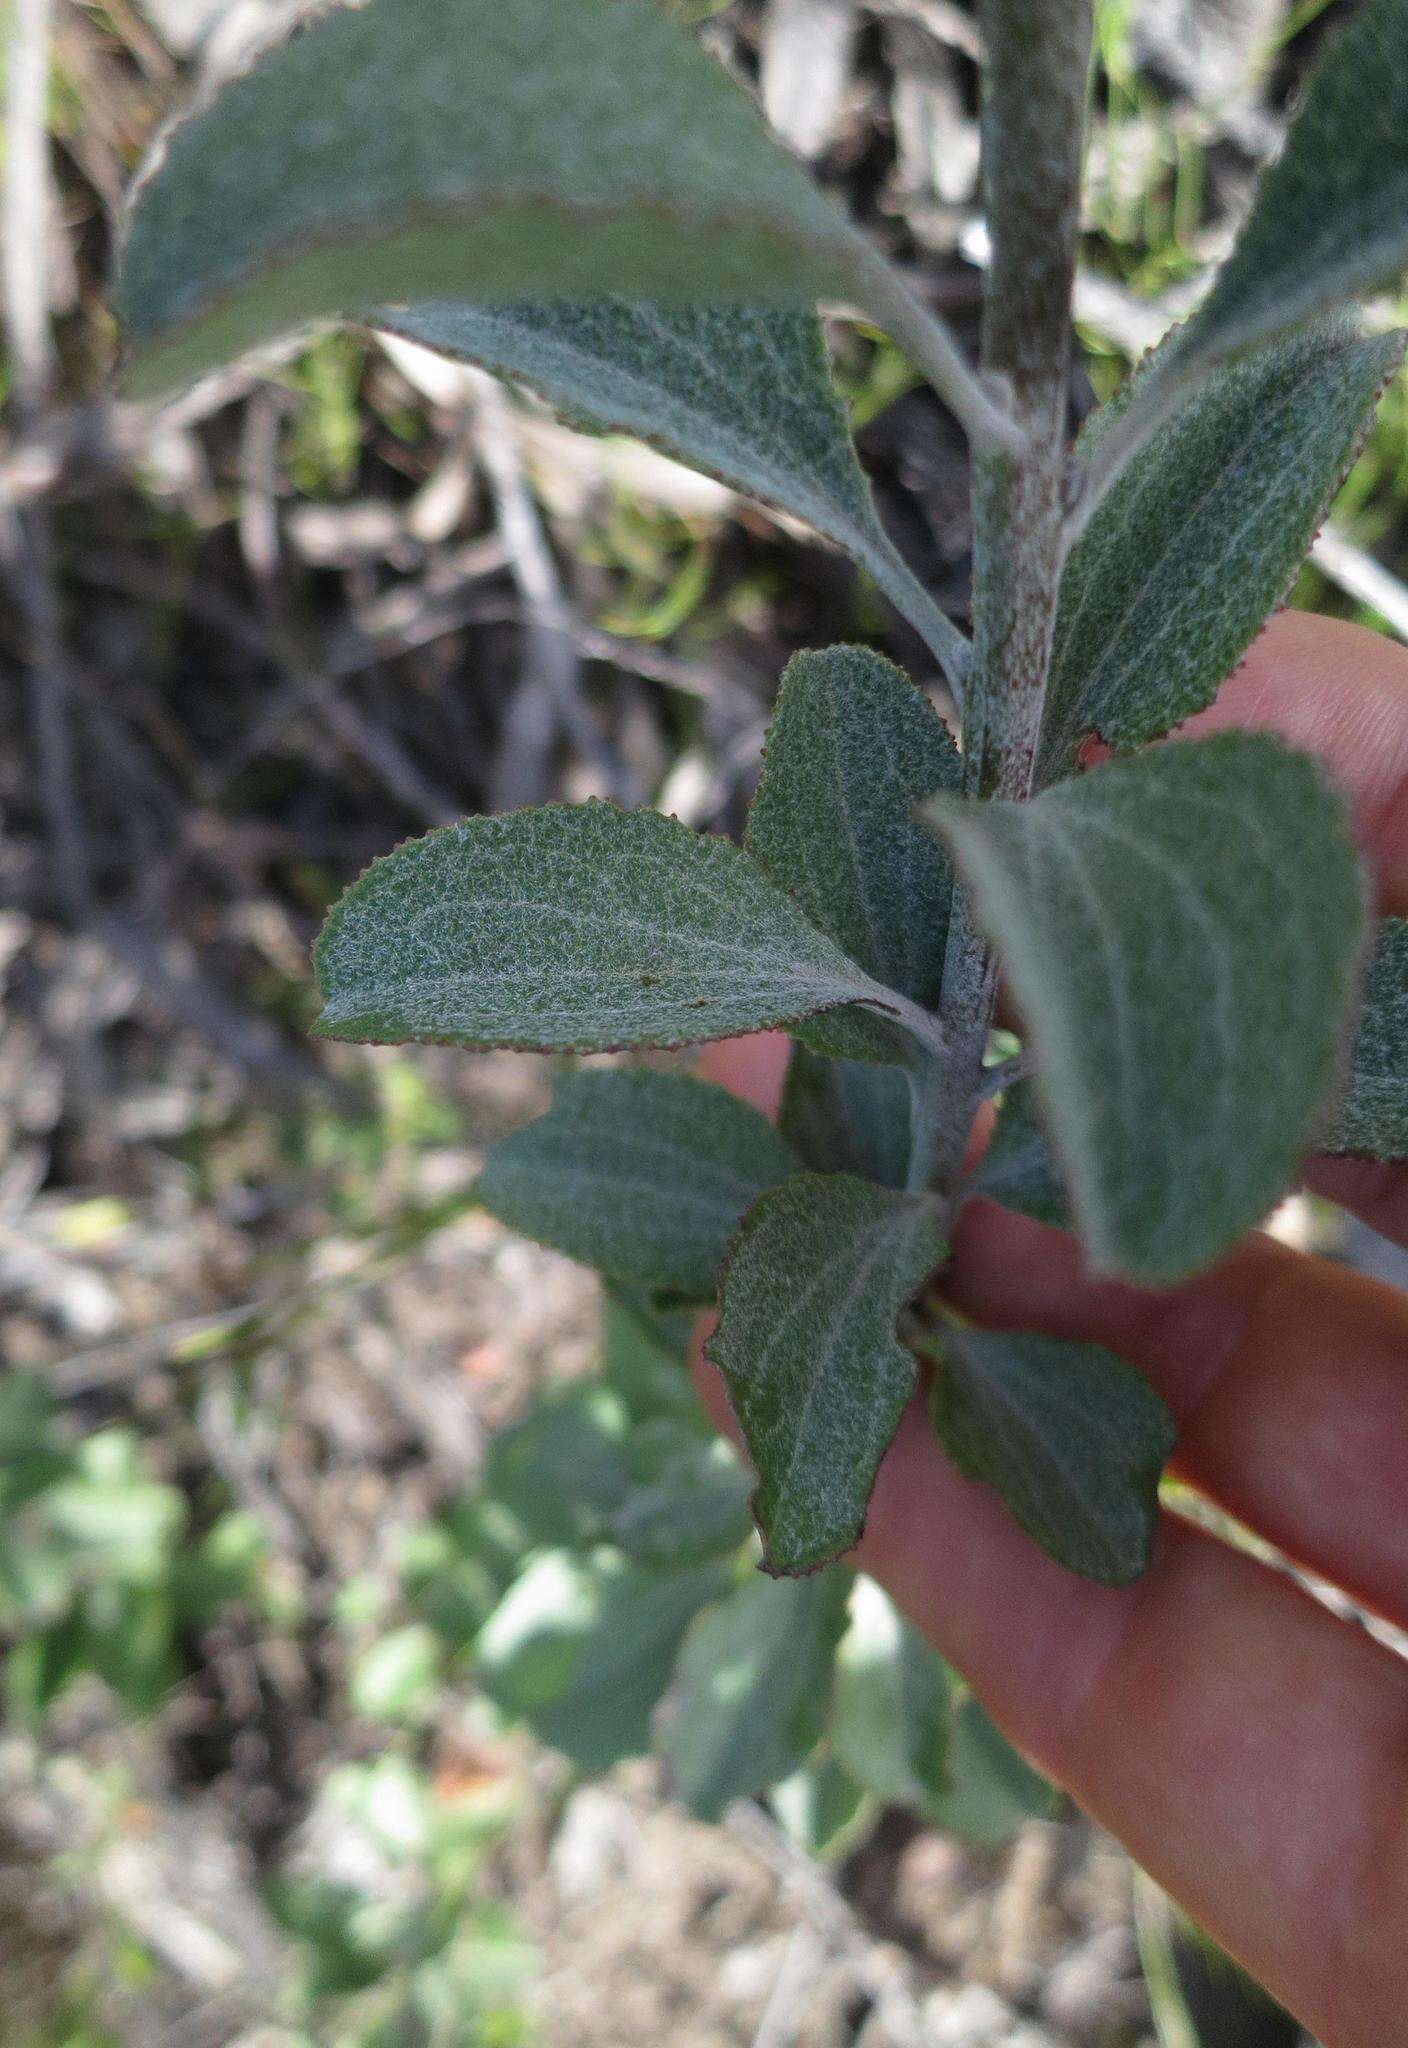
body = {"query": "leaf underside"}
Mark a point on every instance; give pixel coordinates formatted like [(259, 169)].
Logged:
[(605, 152), (572, 928), (1181, 932), (842, 1116), (1070, 1436), (852, 747), (1203, 534), (743, 393), (807, 1348), (822, 1807), (1018, 1169), (753, 1688), (1373, 1118), (582, 1648), (690, 1506), (892, 1705), (643, 1176), (1331, 218), (993, 1789)]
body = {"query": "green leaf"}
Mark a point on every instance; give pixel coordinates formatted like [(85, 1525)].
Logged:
[(33, 1455), (807, 1348), (1373, 1118), (1331, 219), (418, 149), (753, 1688), (38, 1580), (1018, 1168), (891, 1708), (1202, 536), (574, 928), (854, 1035), (1071, 1437), (845, 1116), (691, 1503), (562, 1469), (741, 392), (397, 1677), (852, 747), (644, 1176), (991, 1789), (582, 1649), (1180, 932), (642, 1357), (128, 1639), (119, 1524), (822, 1807)]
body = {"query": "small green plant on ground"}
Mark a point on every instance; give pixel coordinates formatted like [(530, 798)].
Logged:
[(397, 1946), (571, 193), (104, 1578), (102, 1575), (607, 1560)]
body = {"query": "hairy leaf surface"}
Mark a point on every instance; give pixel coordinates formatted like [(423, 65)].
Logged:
[(1373, 1118), (847, 1116), (753, 1688), (572, 928), (1331, 219), (807, 1348), (644, 1176), (741, 392), (1018, 1168), (892, 1704), (1181, 933), (1071, 1437), (418, 149), (1203, 535), (852, 747)]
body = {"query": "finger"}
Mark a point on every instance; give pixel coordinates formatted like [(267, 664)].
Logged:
[(1288, 1378), (1245, 1745), (1340, 692), (752, 1068), (1210, 1716)]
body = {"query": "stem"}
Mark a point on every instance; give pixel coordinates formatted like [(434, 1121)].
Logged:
[(928, 1076), (932, 348), (1033, 130), (28, 206), (996, 1080)]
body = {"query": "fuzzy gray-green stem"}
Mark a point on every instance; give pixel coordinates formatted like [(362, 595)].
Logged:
[(1034, 92)]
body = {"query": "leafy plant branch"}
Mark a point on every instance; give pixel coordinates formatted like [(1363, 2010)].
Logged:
[(1182, 929), (1033, 131)]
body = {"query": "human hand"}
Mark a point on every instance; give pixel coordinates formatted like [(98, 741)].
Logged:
[(1248, 1747)]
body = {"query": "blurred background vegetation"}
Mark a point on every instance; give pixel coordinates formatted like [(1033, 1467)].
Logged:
[(279, 1404)]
